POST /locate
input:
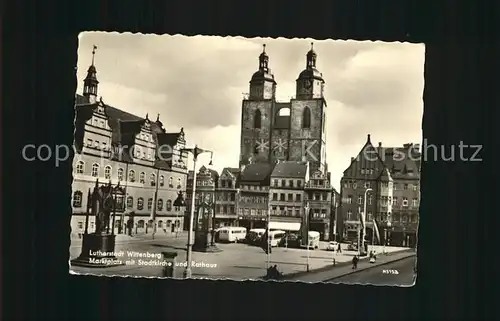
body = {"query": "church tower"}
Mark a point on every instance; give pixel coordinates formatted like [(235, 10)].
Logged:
[(308, 117), (90, 83), (256, 114)]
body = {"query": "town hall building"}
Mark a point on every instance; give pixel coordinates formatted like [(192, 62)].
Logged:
[(114, 146)]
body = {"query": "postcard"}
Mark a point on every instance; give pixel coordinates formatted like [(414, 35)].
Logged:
[(247, 159)]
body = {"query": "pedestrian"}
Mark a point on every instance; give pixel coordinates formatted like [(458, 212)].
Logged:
[(355, 262), (339, 249)]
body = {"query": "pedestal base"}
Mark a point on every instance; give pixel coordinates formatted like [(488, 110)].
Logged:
[(202, 243), (98, 251)]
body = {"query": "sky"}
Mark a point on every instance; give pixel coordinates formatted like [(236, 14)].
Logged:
[(198, 83)]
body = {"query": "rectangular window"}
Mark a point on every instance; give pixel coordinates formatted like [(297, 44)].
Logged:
[(282, 197), (290, 197), (349, 199), (275, 196), (298, 198)]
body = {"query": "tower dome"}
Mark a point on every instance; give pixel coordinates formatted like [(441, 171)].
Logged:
[(264, 73), (311, 72)]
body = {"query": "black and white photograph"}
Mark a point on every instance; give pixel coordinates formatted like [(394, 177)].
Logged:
[(231, 158)]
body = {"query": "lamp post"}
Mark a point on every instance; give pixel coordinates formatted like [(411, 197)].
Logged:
[(268, 262), (387, 226), (306, 215), (195, 152), (155, 201), (363, 217)]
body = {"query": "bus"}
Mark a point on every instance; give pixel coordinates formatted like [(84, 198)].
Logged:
[(313, 240), (232, 234)]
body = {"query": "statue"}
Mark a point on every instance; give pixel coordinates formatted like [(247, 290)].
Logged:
[(103, 205), (102, 240)]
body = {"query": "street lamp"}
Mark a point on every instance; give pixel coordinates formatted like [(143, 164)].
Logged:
[(387, 226), (268, 262), (363, 217), (306, 215), (195, 152)]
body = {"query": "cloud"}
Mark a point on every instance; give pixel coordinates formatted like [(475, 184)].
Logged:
[(197, 83)]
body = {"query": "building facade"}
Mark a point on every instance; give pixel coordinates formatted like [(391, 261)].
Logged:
[(274, 131), (226, 198), (137, 153), (389, 177), (253, 205), (318, 194), (285, 135), (287, 201)]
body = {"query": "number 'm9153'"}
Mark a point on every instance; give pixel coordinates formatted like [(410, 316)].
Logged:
[(390, 272)]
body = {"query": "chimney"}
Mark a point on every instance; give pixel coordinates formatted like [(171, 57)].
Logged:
[(368, 138), (380, 150), (352, 159)]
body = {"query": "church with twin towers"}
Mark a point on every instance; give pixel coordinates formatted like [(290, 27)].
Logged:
[(273, 131)]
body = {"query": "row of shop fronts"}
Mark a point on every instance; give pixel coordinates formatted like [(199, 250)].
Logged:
[(389, 237)]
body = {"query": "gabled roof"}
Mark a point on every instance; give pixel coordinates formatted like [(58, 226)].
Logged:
[(289, 169), (257, 173), (400, 161), (124, 128)]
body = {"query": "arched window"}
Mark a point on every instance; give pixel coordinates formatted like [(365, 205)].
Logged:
[(171, 182), (80, 166), (160, 204), (169, 205), (257, 119), (140, 203), (130, 202), (77, 199), (95, 170), (306, 118), (120, 174), (162, 180), (142, 178), (107, 172), (152, 179), (131, 176), (179, 183), (150, 203)]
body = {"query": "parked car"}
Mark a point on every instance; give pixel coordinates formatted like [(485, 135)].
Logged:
[(332, 246), (290, 240), (353, 246)]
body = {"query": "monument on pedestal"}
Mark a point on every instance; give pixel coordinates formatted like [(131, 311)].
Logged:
[(98, 247), (203, 240)]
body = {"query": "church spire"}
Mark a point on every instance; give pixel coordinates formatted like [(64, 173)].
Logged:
[(264, 60), (311, 57), (90, 82)]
